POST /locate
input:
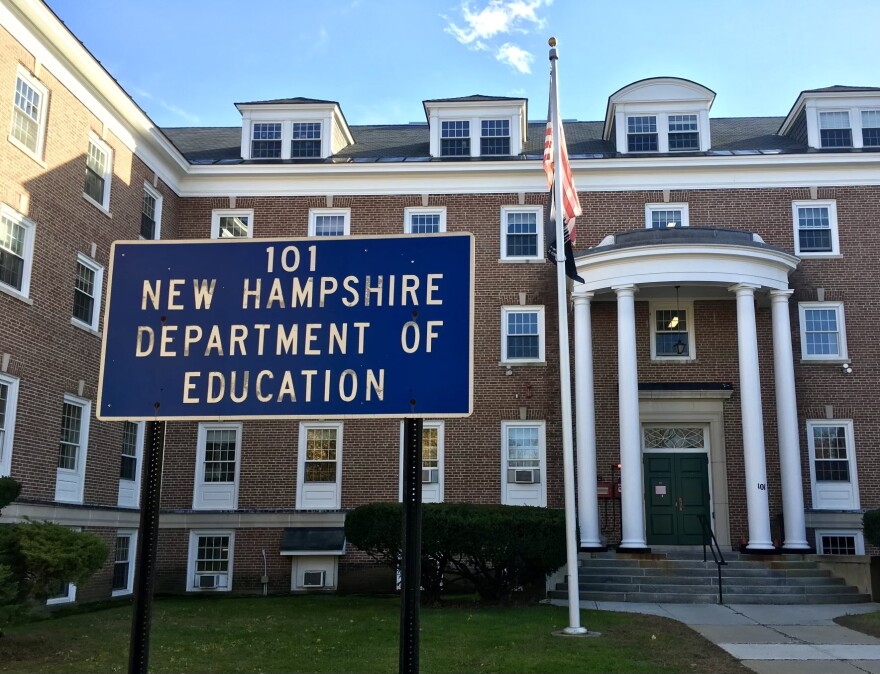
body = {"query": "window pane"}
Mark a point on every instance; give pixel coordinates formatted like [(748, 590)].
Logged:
[(11, 252), (71, 424), (871, 128), (266, 140), (430, 445), (329, 225), (686, 437), (120, 566), (838, 545), (834, 120), (523, 339), (212, 554), (830, 453), (455, 138), (424, 223), (814, 229), (523, 447), (522, 234), (148, 216), (234, 226), (94, 185), (642, 133), (128, 465), (666, 218), (26, 115), (220, 450), (821, 332), (83, 294)]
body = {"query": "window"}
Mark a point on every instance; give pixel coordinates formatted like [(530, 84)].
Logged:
[(72, 449), (329, 222), (16, 251), (29, 114), (433, 434), (151, 214), (217, 466), (641, 134), (832, 464), (87, 292), (232, 224), (683, 133), (871, 128), (522, 233), (266, 140), (815, 228), (522, 334), (834, 129), (672, 331), (839, 542), (306, 140), (320, 466), (99, 167), (495, 137), (523, 460), (455, 139), (130, 464), (8, 401), (666, 216), (210, 561), (123, 563), (823, 334), (61, 593), (424, 220)]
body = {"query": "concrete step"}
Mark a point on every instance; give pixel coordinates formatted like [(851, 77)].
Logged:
[(712, 598), (676, 579)]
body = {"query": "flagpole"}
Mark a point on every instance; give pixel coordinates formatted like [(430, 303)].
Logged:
[(571, 544)]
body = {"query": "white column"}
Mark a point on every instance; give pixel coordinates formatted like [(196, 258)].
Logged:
[(787, 424), (632, 510), (585, 411), (752, 419)]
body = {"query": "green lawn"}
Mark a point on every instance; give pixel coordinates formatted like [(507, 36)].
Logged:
[(867, 623), (356, 634)]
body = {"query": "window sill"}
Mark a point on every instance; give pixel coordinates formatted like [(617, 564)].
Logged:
[(521, 260), (121, 593), (100, 207), (14, 141), (825, 361), (12, 292), (522, 363), (673, 359), (819, 256), (85, 328)]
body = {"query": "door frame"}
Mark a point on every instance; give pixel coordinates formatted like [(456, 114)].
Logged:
[(695, 408)]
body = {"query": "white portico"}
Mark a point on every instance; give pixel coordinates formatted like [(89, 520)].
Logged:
[(718, 264)]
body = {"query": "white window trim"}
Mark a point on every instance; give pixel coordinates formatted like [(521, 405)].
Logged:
[(193, 552), (104, 204), (153, 192), (132, 556), (688, 306), (139, 462), (287, 138), (539, 255), (851, 457), (40, 88), (82, 454), (505, 310), (199, 483), (218, 213), (11, 405), (99, 289), (683, 207), (841, 331), (542, 455), (423, 210), (301, 460), (30, 235), (852, 127), (315, 212), (661, 111), (441, 452), (874, 108), (831, 205), (68, 598), (855, 533), (286, 131)]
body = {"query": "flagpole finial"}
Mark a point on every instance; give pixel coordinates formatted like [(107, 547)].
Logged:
[(552, 41)]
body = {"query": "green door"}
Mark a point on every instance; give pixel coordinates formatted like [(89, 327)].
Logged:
[(676, 493)]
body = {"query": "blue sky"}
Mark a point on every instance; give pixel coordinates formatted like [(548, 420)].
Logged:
[(187, 61)]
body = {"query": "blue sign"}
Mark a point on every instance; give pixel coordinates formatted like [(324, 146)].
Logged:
[(317, 328)]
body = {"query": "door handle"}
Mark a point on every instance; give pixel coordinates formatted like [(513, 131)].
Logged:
[(680, 504)]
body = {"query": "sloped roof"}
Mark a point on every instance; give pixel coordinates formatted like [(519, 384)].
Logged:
[(289, 101), (473, 98), (842, 88)]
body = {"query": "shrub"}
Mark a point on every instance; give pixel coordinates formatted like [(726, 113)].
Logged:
[(9, 491), (497, 548), (871, 524)]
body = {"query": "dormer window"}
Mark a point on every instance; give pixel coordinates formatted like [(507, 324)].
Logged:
[(306, 140), (834, 129), (455, 139), (683, 133), (266, 141), (641, 133), (495, 137), (871, 128)]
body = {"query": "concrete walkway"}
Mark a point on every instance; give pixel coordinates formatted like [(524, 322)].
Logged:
[(774, 639)]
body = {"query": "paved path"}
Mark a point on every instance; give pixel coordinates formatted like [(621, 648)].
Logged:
[(775, 639)]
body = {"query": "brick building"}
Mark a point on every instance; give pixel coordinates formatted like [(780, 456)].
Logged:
[(723, 360)]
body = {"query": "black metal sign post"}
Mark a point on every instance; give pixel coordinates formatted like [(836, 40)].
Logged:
[(145, 561), (411, 569)]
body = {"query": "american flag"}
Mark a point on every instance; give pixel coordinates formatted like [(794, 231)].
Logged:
[(571, 207)]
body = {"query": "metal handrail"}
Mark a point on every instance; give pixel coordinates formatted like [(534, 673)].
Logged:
[(717, 555)]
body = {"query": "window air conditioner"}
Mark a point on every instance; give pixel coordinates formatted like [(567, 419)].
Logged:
[(313, 578), (525, 476), (207, 582)]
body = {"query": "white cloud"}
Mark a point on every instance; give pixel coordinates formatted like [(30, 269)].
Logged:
[(180, 112), (514, 56), (499, 18)]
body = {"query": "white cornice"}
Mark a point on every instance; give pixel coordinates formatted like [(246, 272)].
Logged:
[(40, 32)]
